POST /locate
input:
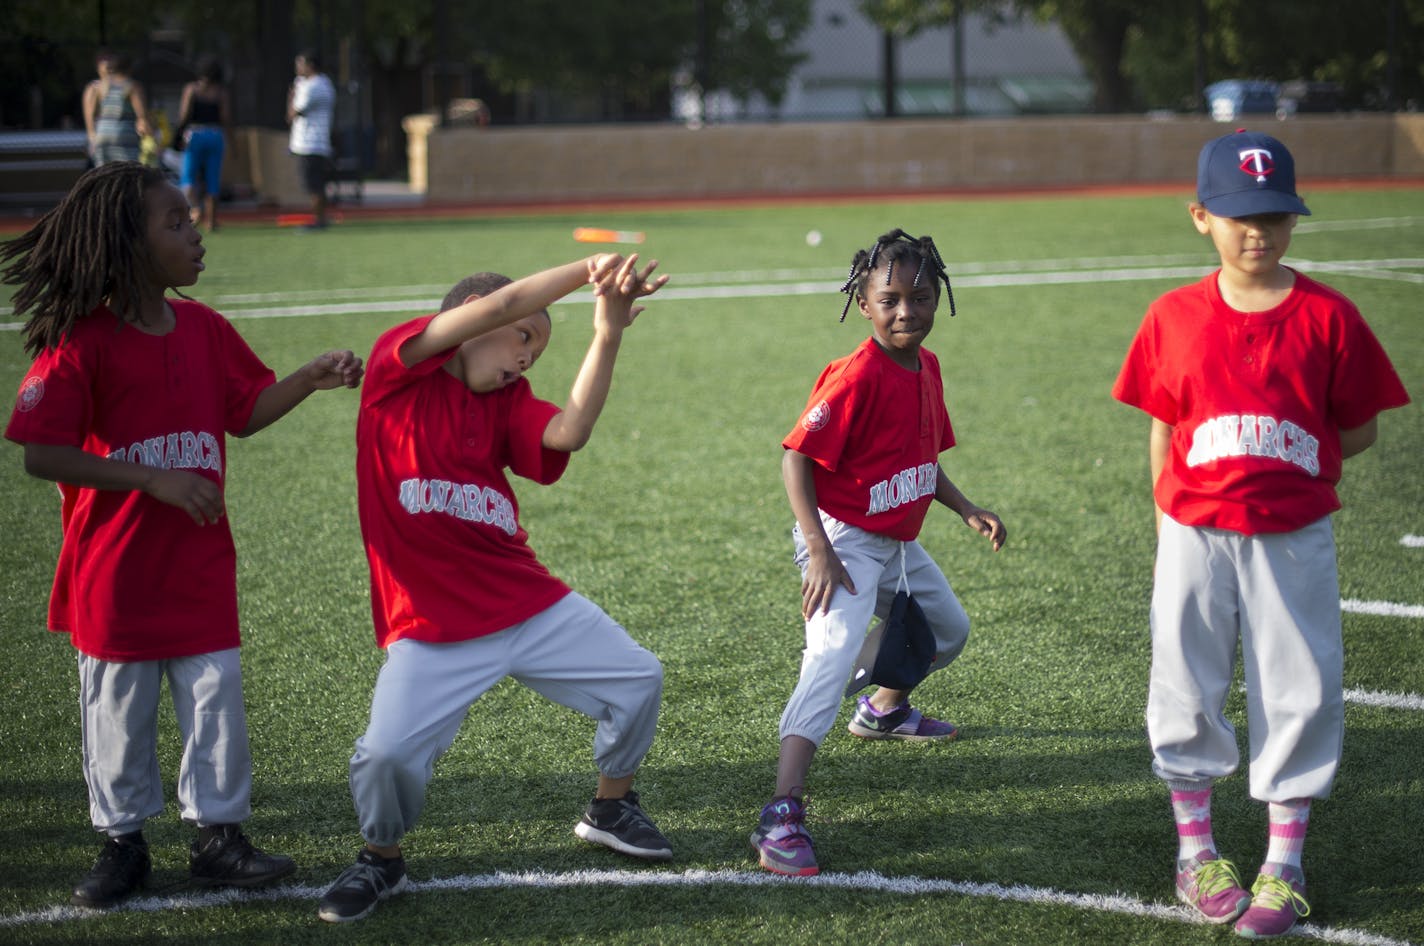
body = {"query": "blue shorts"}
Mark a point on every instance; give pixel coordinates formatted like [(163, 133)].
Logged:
[(203, 158)]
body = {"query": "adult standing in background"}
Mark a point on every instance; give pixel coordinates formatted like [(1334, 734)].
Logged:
[(311, 103), (204, 116), (114, 112)]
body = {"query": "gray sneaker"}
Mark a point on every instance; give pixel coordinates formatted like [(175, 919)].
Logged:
[(361, 886), (619, 823)]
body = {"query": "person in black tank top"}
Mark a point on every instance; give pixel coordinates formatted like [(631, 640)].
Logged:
[(204, 115)]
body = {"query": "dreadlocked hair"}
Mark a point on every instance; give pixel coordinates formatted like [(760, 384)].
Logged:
[(891, 248), (91, 249)]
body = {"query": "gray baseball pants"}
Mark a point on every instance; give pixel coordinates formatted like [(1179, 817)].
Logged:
[(118, 705), (571, 653), (1279, 595), (833, 639)]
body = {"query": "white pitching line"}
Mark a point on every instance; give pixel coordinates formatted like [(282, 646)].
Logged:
[(1382, 608), (860, 882), (1412, 541)]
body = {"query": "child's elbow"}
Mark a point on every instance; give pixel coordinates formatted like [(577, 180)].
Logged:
[(568, 442), (1358, 439)]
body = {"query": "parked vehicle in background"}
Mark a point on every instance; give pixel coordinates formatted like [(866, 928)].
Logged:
[(1229, 99), (1302, 95)]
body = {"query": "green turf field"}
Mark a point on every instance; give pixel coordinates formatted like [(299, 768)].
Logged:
[(1043, 824)]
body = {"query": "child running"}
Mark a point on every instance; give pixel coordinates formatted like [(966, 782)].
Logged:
[(126, 407), (1260, 382), (458, 597), (861, 469)]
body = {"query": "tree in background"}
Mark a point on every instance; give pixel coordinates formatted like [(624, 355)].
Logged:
[(617, 59), (748, 47), (1144, 55)]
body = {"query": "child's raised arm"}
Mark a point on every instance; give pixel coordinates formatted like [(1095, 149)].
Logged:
[(506, 305), (613, 312)]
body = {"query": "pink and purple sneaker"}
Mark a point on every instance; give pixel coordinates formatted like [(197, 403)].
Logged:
[(781, 841), (1212, 886), (904, 723), (1277, 900)]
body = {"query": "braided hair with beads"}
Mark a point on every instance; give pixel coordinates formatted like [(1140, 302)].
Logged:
[(90, 250), (894, 247)]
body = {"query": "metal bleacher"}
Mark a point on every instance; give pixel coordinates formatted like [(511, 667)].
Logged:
[(37, 168)]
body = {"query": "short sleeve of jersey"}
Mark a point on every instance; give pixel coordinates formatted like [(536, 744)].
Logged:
[(528, 457), (1138, 384), (825, 424), (386, 373), (247, 375), (54, 403), (1365, 382)]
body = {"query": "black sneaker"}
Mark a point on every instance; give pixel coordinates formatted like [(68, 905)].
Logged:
[(121, 870), (619, 823), (228, 859), (361, 886)]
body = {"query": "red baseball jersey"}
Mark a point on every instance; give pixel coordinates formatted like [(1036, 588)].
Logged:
[(137, 579), (449, 560), (876, 431), (1256, 400)]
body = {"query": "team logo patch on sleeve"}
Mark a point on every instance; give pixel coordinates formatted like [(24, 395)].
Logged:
[(817, 417), (31, 393)]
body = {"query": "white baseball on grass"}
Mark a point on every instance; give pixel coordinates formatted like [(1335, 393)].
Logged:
[(813, 237)]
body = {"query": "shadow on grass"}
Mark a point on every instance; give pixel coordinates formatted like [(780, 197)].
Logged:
[(1091, 821)]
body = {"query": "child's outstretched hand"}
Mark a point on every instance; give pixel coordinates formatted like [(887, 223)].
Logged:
[(600, 268), (621, 286), (333, 369), (987, 524)]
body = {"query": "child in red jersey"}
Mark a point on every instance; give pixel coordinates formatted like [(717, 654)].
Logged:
[(1260, 382), (126, 408), (458, 597), (861, 470)]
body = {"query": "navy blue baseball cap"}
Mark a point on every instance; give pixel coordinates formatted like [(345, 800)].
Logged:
[(1247, 173), (898, 651)]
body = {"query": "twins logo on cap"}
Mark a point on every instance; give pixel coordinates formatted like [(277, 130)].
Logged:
[(1247, 173), (1257, 162)]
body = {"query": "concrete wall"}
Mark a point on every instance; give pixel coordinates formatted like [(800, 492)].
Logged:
[(496, 165), (610, 162)]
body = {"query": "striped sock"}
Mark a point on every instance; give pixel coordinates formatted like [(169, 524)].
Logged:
[(1192, 812), (1287, 832)]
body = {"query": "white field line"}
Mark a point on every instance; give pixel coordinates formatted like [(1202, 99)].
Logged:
[(1382, 608), (1412, 541), (860, 882), (791, 282), (1404, 701), (1377, 223)]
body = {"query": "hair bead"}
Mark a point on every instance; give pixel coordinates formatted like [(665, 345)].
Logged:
[(889, 245)]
